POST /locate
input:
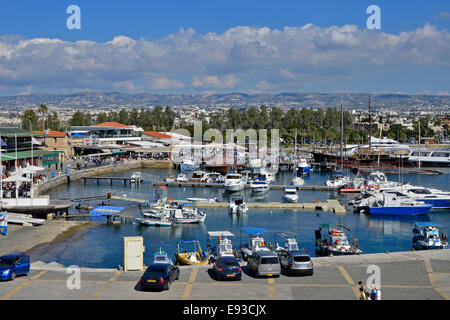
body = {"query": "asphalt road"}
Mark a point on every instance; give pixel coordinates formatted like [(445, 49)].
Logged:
[(420, 275)]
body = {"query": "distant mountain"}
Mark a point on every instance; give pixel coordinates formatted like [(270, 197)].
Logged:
[(84, 100)]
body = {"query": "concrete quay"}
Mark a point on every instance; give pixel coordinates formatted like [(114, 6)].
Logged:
[(414, 275)]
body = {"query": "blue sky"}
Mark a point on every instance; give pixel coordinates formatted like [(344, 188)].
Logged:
[(257, 58)]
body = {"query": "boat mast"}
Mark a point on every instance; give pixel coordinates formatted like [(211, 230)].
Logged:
[(370, 129), (342, 131)]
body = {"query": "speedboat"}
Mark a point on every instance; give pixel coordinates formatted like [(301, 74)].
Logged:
[(185, 215), (332, 240), (289, 194), (189, 252), (182, 178), (233, 182), (198, 176), (259, 186), (156, 222), (237, 205), (426, 236), (223, 247), (136, 177), (265, 175), (337, 179), (189, 165), (298, 181), (439, 199), (214, 177), (379, 180), (398, 206), (303, 166)]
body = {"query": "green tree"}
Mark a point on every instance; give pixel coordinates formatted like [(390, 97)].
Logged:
[(43, 110)]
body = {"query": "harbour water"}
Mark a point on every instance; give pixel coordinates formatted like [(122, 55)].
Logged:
[(102, 245)]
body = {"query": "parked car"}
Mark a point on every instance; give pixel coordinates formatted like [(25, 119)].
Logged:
[(296, 262), (227, 267), (264, 263), (159, 276), (14, 264)]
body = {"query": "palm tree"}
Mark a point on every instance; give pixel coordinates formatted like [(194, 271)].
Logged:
[(29, 118), (43, 109)]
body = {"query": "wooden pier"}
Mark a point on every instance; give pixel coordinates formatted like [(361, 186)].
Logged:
[(219, 185), (124, 180)]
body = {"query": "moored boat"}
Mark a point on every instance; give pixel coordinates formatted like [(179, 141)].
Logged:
[(426, 236), (192, 255), (332, 240), (289, 194)]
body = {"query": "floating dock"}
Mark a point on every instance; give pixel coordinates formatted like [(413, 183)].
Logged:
[(329, 205), (219, 185)]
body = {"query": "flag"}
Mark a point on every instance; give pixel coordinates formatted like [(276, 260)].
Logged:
[(34, 141)]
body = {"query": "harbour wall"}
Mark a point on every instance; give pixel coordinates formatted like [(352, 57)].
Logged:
[(79, 174)]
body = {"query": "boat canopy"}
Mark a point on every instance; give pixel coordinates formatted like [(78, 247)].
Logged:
[(426, 224), (219, 234), (251, 230), (107, 210), (187, 241)]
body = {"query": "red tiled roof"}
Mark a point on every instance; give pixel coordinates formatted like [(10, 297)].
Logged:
[(112, 124), (52, 134), (158, 135)]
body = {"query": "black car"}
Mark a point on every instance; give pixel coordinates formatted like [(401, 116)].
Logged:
[(159, 276), (227, 268)]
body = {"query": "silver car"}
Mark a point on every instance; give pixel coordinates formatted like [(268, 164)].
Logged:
[(264, 263), (296, 262)]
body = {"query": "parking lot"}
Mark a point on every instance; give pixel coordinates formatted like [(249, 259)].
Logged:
[(404, 275)]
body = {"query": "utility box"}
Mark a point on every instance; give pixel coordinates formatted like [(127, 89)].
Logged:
[(133, 253)]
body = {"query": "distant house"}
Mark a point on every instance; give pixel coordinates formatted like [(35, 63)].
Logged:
[(55, 140), (427, 140), (156, 137)]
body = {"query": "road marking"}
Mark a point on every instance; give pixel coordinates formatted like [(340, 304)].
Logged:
[(107, 284), (188, 289), (21, 286), (272, 289), (349, 280), (430, 273)]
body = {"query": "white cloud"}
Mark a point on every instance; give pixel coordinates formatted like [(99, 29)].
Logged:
[(164, 83), (241, 57), (227, 81)]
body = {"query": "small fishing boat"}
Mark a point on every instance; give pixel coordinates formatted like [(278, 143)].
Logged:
[(161, 256), (289, 194), (259, 185), (332, 240), (189, 252), (233, 182), (237, 205), (398, 206), (426, 236), (255, 242), (155, 222), (290, 241), (220, 244)]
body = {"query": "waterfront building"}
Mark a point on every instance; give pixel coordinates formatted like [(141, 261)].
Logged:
[(17, 146), (55, 141), (105, 133)]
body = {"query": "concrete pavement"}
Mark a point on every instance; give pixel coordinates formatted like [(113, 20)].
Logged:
[(420, 275)]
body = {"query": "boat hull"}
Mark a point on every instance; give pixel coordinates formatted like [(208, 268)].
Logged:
[(438, 203), (400, 211)]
